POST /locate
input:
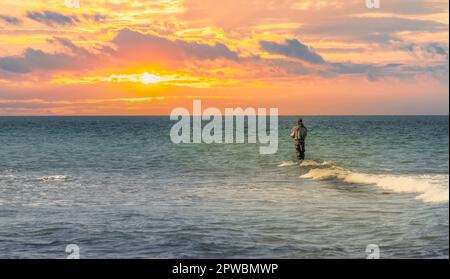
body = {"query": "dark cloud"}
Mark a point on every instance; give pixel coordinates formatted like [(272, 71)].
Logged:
[(14, 64), (431, 49), (70, 45), (51, 18), (283, 67), (347, 68), (38, 60), (438, 71), (33, 59), (340, 49), (205, 51), (151, 46), (94, 17), (436, 49), (375, 72), (10, 19), (293, 48), (381, 30)]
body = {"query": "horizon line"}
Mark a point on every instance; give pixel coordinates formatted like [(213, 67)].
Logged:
[(168, 115)]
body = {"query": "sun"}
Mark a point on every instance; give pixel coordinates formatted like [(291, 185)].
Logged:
[(147, 78)]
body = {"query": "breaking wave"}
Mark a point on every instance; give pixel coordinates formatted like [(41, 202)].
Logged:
[(311, 163), (287, 164), (430, 188), (54, 178)]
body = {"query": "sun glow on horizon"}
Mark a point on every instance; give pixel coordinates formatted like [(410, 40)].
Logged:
[(147, 78)]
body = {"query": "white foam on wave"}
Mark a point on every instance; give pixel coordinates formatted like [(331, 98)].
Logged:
[(430, 188), (54, 178), (311, 163), (287, 164), (7, 173)]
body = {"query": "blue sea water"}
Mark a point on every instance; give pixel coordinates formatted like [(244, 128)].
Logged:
[(119, 188)]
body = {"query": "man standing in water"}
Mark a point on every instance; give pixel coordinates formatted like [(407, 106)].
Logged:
[(298, 133)]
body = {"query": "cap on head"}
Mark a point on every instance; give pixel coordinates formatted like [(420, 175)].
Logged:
[(300, 120)]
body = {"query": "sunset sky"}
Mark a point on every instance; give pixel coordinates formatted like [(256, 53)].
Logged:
[(147, 57)]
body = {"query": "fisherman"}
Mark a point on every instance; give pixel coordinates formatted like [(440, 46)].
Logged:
[(298, 133)]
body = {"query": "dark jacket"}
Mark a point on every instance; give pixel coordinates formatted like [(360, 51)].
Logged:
[(299, 132)]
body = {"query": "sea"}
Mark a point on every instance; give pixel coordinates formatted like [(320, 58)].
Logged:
[(117, 187)]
